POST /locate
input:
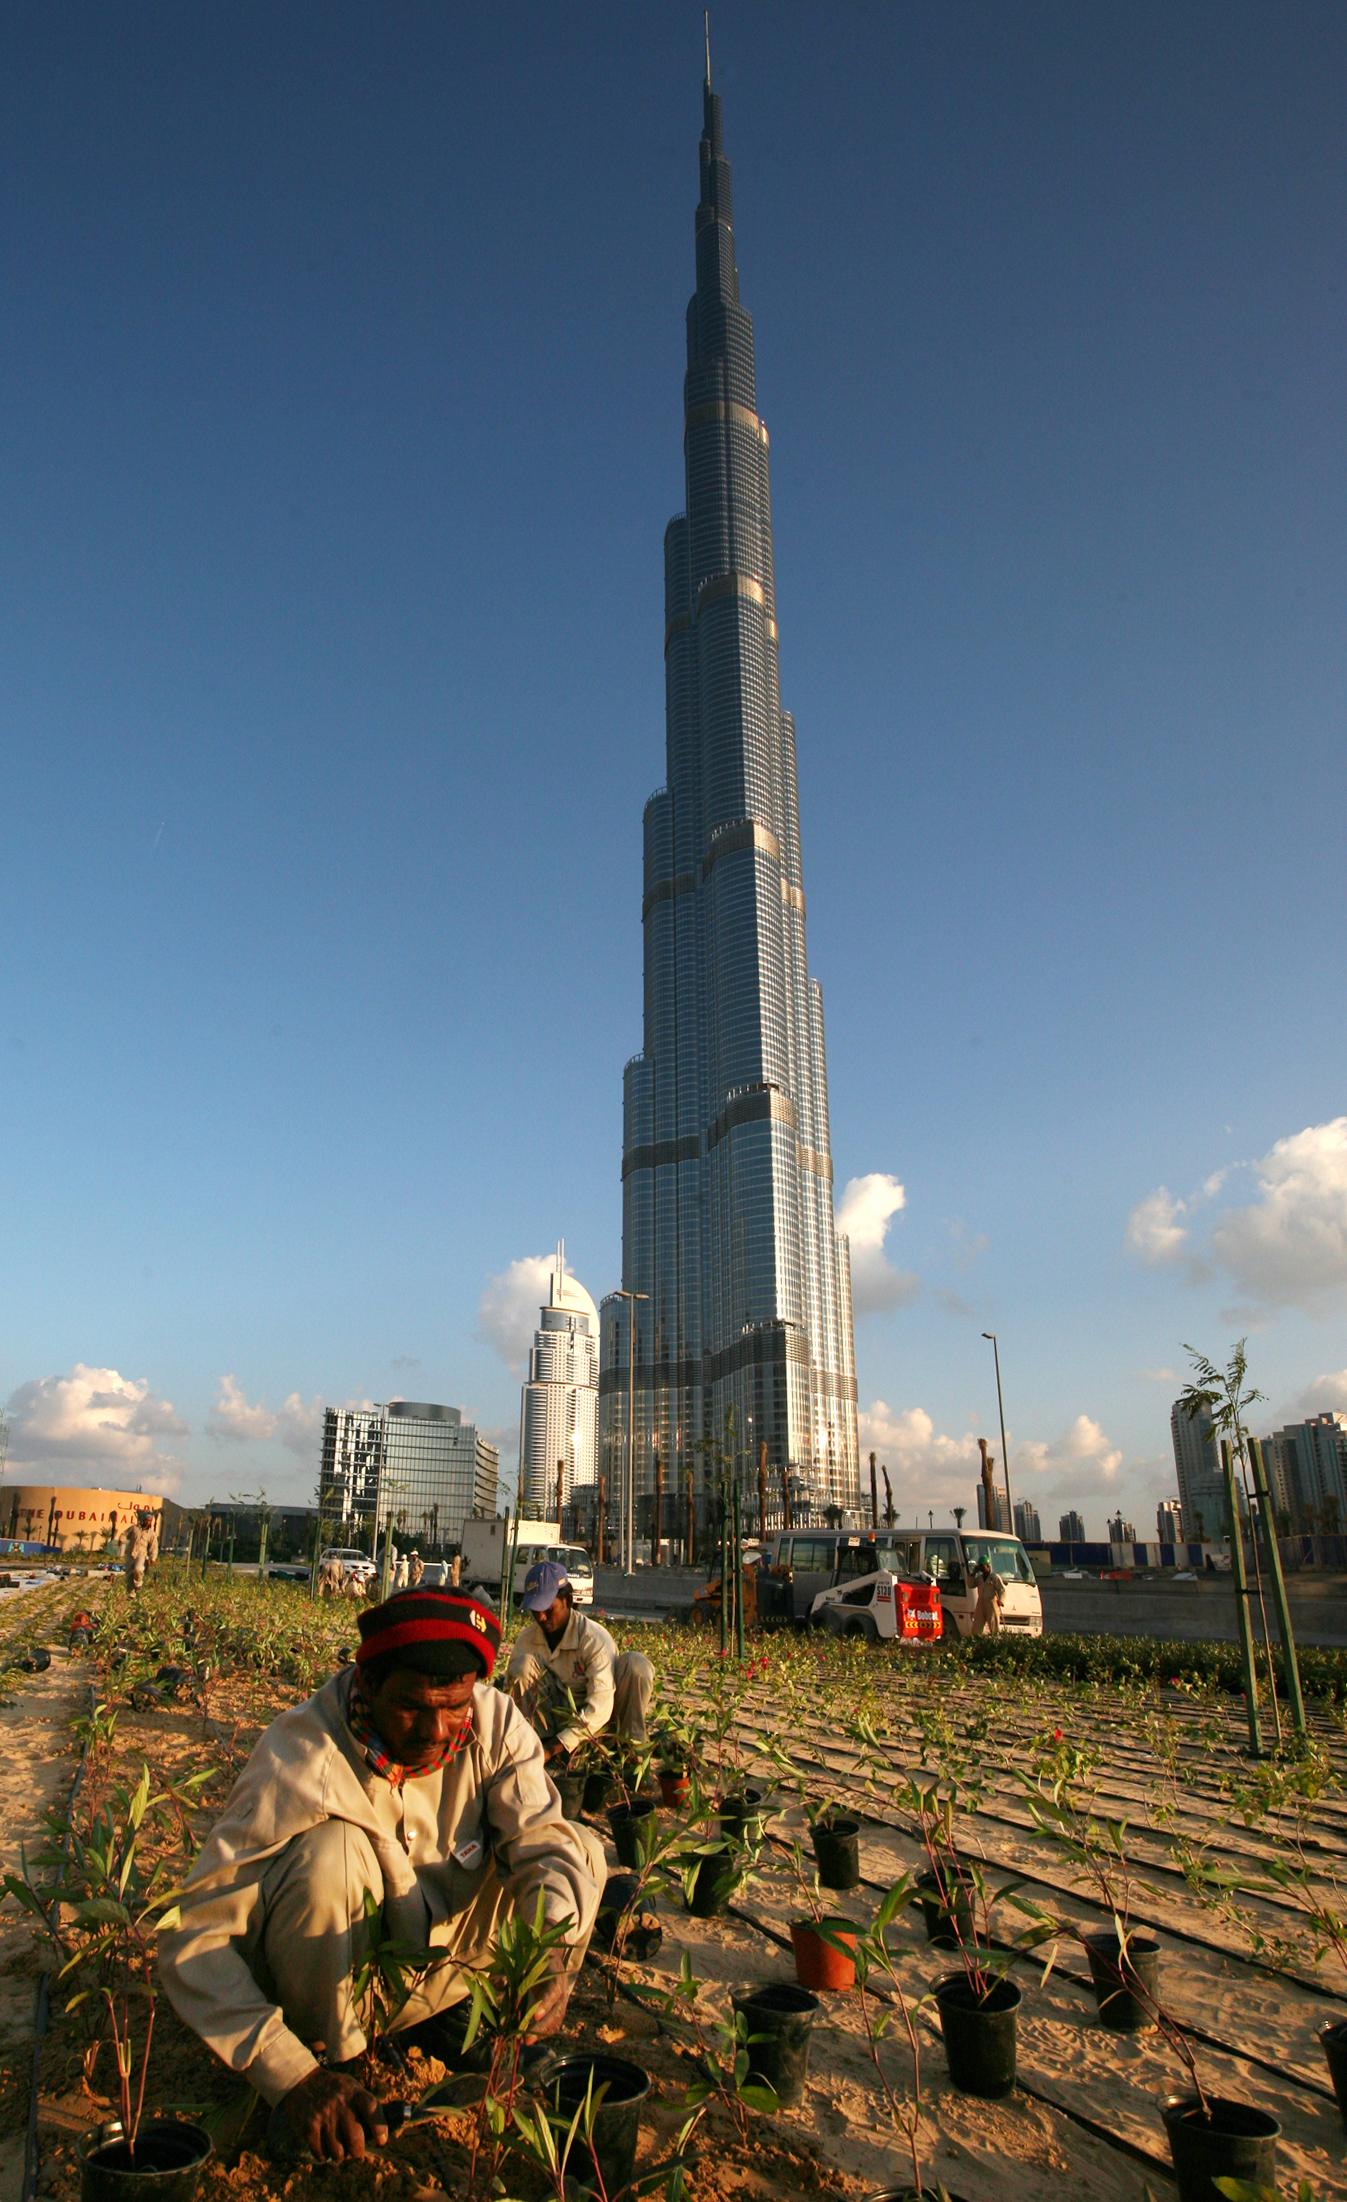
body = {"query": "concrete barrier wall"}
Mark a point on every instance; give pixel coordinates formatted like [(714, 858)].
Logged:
[(1201, 1612)]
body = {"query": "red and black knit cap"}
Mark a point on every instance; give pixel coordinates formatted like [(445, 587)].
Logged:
[(437, 1632)]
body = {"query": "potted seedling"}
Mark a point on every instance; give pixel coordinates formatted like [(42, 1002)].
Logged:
[(1124, 1962), (1310, 1884), (823, 1943), (102, 1914), (876, 1959), (634, 1826), (713, 1871)]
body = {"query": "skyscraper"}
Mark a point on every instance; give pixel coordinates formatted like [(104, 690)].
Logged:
[(559, 1403), (1197, 1463), (727, 1218)]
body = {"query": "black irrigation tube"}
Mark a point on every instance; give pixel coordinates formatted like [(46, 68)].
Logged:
[(1173, 1873), (1178, 1934), (1083, 1980), (1092, 2126), (42, 2002), (1117, 1788)]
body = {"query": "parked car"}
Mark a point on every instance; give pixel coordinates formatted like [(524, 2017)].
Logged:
[(287, 1571)]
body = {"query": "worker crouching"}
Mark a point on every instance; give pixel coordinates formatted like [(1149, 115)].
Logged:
[(408, 1776), (568, 1676)]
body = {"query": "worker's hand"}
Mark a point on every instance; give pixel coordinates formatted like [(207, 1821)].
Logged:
[(548, 2013), (329, 2114), (555, 1752)]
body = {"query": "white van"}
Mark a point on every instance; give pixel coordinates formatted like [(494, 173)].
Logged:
[(805, 1562), (950, 1555)]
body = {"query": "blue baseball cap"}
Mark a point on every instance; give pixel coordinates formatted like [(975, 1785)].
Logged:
[(541, 1585)]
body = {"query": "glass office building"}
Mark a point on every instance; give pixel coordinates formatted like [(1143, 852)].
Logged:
[(727, 1223), (412, 1467)]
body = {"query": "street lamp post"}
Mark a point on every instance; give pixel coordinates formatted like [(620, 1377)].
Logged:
[(1000, 1409), (629, 1479)]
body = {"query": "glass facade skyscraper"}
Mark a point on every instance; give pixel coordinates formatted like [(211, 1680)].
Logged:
[(413, 1469), (727, 1223)]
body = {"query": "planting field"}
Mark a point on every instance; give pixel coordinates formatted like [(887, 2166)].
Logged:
[(1051, 1805)]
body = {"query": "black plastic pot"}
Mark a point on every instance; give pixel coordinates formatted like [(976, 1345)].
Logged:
[(1118, 1978), (1233, 2141), (947, 1914), (640, 1937), (608, 2158), (837, 1850), (571, 1790), (979, 2035), (598, 1788), (1334, 2038), (169, 2157), (635, 1830), (779, 2017), (35, 1662), (910, 2194), (716, 1879), (741, 1813)]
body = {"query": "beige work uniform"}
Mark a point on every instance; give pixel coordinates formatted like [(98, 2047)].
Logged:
[(604, 1684), (272, 1911)]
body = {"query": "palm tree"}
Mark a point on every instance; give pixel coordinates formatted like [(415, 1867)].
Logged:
[(958, 1513)]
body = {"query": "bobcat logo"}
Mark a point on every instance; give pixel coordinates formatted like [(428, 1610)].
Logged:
[(478, 1622)]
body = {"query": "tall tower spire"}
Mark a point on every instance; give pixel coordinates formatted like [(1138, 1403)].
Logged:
[(727, 1219), (706, 26)]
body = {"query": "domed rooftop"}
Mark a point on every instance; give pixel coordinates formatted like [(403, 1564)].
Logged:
[(566, 1291)]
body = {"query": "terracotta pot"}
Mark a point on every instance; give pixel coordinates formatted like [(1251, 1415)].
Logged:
[(673, 1787), (819, 1964)]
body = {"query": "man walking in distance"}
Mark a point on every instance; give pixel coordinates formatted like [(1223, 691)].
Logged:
[(142, 1550), (567, 1674), (991, 1596), (407, 1776)]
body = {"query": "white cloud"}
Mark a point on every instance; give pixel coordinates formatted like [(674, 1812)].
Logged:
[(97, 1424), (928, 1468), (298, 1425), (925, 1467), (1326, 1395), (1079, 1462), (235, 1418), (1289, 1246), (1158, 1376), (867, 1207), (1154, 1233), (507, 1314)]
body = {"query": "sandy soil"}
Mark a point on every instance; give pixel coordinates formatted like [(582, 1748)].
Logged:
[(1084, 2120)]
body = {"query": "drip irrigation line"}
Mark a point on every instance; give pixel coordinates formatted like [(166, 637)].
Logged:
[(1163, 1926), (1083, 1980), (1157, 1866)]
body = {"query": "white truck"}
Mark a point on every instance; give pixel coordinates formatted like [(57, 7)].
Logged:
[(485, 1544)]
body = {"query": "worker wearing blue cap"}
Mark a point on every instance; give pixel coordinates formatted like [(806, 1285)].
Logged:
[(567, 1675)]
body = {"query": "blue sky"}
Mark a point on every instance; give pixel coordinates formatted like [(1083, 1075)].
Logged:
[(340, 423)]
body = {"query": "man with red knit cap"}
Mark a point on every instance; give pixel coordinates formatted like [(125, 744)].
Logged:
[(409, 1776)]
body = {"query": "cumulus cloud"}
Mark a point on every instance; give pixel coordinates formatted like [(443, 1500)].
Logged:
[(1082, 1460), (1154, 1233), (295, 1423), (1288, 1247), (1326, 1395), (867, 1208), (97, 1425), (232, 1417), (507, 1314), (928, 1468)]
